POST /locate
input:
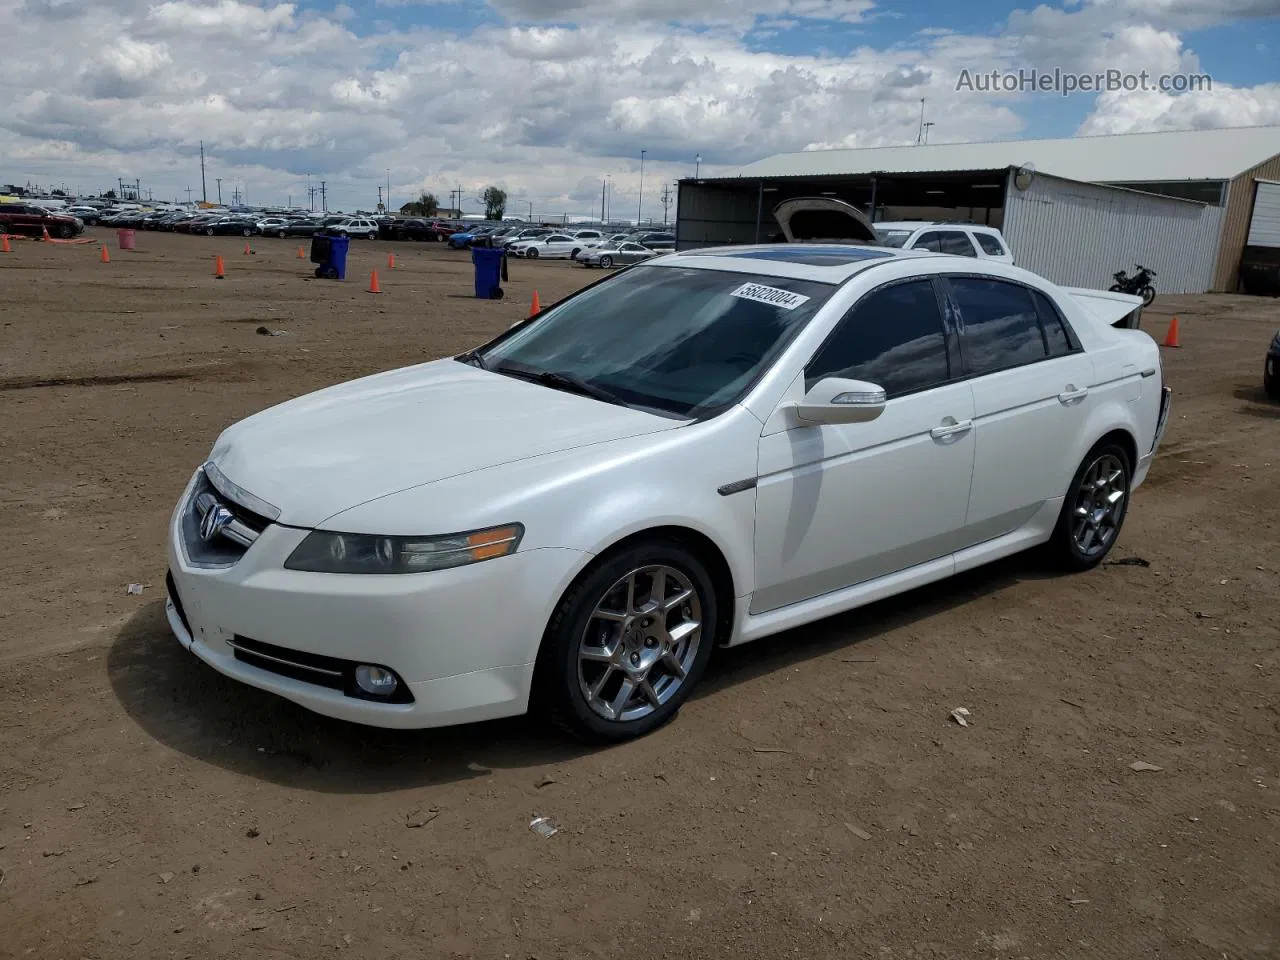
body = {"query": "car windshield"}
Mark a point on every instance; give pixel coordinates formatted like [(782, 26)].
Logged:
[(893, 238), (674, 340)]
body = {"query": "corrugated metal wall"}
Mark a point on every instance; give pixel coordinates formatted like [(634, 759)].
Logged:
[(1079, 234), (1235, 224), (708, 216)]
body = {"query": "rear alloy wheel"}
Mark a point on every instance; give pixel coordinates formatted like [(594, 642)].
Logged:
[(66, 232), (574, 254), (628, 643), (208, 232), (372, 235), (247, 232), (281, 234), (1094, 509)]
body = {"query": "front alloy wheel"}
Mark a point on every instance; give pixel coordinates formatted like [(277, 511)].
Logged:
[(627, 644)]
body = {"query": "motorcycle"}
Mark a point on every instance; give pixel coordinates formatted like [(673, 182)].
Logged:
[(1139, 284)]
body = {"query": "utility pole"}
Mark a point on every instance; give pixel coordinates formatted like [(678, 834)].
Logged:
[(640, 202), (324, 199), (204, 187), (219, 181), (531, 211), (603, 181), (388, 207), (379, 198), (920, 132), (926, 131), (697, 165), (188, 196), (666, 202)]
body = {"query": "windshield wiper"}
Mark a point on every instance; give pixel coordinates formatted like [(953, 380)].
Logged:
[(558, 381), (472, 357)]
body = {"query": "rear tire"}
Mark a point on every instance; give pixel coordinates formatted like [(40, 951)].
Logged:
[(280, 234), (247, 232), (1271, 384), (208, 231), (66, 232), (650, 648), (371, 235), (1094, 509), (1116, 288)]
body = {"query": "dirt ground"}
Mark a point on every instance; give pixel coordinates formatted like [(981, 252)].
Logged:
[(812, 800)]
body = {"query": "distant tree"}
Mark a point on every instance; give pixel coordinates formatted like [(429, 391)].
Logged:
[(495, 202), (57, 193), (425, 206), (109, 195)]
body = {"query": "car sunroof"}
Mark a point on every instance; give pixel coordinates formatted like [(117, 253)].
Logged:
[(832, 255)]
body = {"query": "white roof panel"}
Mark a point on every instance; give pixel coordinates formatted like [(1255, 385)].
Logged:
[(1117, 158)]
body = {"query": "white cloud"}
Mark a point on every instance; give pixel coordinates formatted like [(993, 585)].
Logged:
[(545, 105)]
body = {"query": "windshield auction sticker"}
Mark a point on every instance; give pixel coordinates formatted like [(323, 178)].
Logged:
[(770, 295)]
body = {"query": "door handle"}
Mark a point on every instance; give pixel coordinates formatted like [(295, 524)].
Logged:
[(1071, 394), (951, 429)]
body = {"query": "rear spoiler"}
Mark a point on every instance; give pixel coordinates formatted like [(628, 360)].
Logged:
[(1122, 310)]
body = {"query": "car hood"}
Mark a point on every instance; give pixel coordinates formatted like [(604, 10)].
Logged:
[(320, 454)]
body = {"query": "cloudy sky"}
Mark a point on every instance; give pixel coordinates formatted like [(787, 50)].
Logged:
[(547, 97)]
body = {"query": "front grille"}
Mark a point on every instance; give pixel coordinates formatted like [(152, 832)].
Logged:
[(238, 527), (314, 668)]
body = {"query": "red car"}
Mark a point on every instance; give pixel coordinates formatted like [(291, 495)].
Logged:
[(31, 220)]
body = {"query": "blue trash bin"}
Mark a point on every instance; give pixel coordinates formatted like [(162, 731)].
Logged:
[(491, 270), (331, 255)]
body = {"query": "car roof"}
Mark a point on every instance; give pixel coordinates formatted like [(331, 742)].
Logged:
[(916, 224), (822, 262)]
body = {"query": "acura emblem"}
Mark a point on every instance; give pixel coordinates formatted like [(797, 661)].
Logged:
[(214, 521)]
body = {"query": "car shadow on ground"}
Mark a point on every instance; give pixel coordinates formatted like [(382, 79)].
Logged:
[(193, 709), (1260, 405)]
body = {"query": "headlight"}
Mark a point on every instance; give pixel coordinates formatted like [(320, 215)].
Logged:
[(325, 552)]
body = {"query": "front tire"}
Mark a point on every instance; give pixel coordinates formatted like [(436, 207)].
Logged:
[(628, 642), (606, 262), (531, 253), (1094, 509), (208, 231), (1148, 294), (281, 234)]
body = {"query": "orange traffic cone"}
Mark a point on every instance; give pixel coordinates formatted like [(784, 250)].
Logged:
[(105, 257), (247, 249), (391, 261), (301, 254), (219, 271), (1171, 338), (535, 308), (4, 243), (46, 238), (373, 283)]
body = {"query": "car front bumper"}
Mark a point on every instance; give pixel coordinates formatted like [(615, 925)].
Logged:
[(463, 641)]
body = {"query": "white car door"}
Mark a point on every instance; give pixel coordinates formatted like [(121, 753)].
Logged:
[(1031, 383), (838, 505)]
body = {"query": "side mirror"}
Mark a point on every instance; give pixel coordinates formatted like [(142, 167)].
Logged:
[(835, 400)]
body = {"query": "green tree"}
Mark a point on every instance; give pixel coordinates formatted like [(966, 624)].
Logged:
[(495, 202), (425, 206), (109, 195), (57, 193)]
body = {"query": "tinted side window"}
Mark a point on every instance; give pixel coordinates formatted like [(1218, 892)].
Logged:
[(892, 337), (956, 242), (1000, 326), (929, 241), (1056, 334), (989, 244)]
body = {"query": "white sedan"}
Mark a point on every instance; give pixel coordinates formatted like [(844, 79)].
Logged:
[(558, 246), (702, 450)]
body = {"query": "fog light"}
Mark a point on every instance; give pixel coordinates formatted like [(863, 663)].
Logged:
[(377, 681)]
